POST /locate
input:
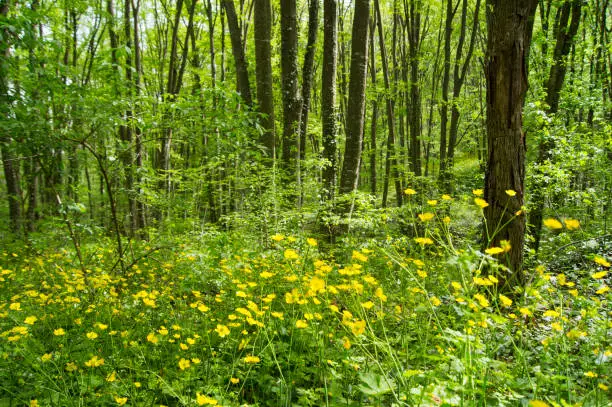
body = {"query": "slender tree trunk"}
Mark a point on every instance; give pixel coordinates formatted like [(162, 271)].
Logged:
[(290, 90), (448, 30), (307, 72), (242, 73), (414, 117), (328, 96), (391, 159), (509, 38), (374, 120), (263, 72), (356, 101), (459, 73), (565, 30)]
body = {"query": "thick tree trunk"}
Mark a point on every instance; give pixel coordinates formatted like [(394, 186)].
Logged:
[(356, 100), (242, 73), (290, 90), (509, 38), (263, 72), (307, 72), (328, 96)]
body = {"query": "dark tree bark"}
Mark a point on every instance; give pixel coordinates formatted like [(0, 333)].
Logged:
[(290, 90), (413, 17), (374, 120), (509, 38), (307, 72), (391, 159), (356, 100), (242, 73), (448, 30), (564, 30), (263, 72), (328, 96)]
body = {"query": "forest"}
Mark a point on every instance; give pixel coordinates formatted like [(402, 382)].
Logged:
[(305, 203)]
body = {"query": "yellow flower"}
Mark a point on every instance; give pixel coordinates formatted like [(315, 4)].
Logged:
[(477, 192), (481, 203), (409, 191), (183, 346), (300, 323), (510, 192), (92, 335), (551, 313), (432, 202), (591, 374), (346, 343), (359, 256), (426, 216), (316, 284), (149, 302), (598, 275), (203, 308), (30, 320), (101, 326), (505, 245), (494, 250), (367, 304), (603, 289), (556, 326), (205, 400), (33, 403), (234, 380), (278, 315), (291, 254), (111, 377), (446, 197), (184, 364), (435, 301), (94, 362), (311, 242), (538, 403), (266, 274), (423, 240), (16, 306), (358, 327), (603, 387), (422, 273), (252, 359), (222, 330), (525, 311), (277, 237), (482, 300), (196, 361), (380, 294), (46, 357), (121, 400), (552, 223), (59, 332), (601, 261), (571, 224)]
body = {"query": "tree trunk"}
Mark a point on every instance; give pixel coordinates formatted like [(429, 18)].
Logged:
[(459, 74), (391, 159), (356, 100), (564, 38), (307, 72), (242, 73), (448, 30), (328, 96), (414, 117), (263, 72), (509, 38), (291, 101), (374, 120)]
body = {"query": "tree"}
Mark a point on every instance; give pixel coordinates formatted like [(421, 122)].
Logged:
[(328, 96), (356, 100), (292, 106), (263, 73), (242, 73), (509, 26), (565, 30)]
